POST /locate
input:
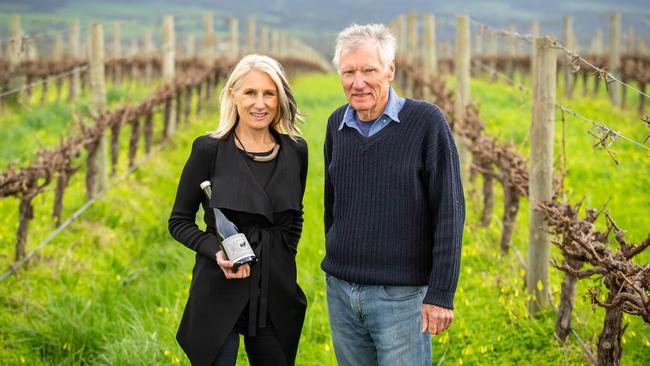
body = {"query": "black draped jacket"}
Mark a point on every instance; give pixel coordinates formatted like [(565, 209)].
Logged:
[(271, 218)]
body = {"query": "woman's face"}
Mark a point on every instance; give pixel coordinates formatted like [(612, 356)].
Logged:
[(256, 99)]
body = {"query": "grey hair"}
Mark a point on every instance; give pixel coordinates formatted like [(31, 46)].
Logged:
[(356, 35), (287, 115)]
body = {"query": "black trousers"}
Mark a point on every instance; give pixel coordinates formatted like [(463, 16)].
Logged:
[(262, 350)]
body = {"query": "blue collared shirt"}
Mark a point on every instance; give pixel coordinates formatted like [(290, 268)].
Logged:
[(394, 105)]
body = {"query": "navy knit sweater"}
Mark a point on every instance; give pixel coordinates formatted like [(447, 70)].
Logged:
[(394, 204)]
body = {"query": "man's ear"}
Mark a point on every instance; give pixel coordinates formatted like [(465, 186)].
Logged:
[(391, 70)]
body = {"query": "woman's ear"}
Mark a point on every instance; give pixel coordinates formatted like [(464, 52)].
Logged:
[(232, 95)]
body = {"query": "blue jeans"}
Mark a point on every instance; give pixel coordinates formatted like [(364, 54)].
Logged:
[(377, 325)]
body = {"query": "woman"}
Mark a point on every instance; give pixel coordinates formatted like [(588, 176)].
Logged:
[(257, 165)]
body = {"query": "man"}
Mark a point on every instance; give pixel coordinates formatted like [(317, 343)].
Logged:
[(394, 211)]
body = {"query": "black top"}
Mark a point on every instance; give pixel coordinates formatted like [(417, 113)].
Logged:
[(271, 218), (262, 170), (394, 204)]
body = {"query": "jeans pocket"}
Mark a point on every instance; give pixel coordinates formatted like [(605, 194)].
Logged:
[(398, 293)]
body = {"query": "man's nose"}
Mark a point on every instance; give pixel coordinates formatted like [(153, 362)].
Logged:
[(358, 82)]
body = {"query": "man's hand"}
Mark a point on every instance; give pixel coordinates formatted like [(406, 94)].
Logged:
[(436, 319)]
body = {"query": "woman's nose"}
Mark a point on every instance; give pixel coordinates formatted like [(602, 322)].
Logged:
[(259, 102)]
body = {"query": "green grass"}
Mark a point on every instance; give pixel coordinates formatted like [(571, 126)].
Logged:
[(111, 288)]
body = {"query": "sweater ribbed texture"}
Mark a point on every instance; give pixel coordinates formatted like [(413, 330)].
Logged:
[(394, 205)]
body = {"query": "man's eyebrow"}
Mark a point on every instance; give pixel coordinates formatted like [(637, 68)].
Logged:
[(355, 67)]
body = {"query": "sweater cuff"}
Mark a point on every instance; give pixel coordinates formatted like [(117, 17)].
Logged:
[(440, 298), (209, 246)]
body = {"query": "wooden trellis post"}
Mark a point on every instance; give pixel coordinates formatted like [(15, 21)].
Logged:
[(629, 39), (569, 41), (75, 55), (412, 37), (133, 53), (57, 56), (493, 51), (284, 44), (189, 46), (478, 51), (641, 46), (116, 52), (96, 178), (512, 52), (597, 50), (169, 54), (462, 71), (208, 38), (534, 30), (411, 52), (264, 39), (275, 43), (629, 49), (430, 54), (396, 27), (148, 55), (250, 36), (642, 49), (615, 57), (234, 38), (16, 55), (32, 56), (541, 173), (403, 35), (57, 49)]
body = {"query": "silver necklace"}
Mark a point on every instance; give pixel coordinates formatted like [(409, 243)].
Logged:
[(259, 158)]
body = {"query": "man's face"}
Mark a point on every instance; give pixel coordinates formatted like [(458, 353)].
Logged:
[(365, 80)]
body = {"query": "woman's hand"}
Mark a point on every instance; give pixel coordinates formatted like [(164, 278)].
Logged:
[(226, 267)]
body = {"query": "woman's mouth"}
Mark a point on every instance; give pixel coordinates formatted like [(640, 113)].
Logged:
[(258, 115)]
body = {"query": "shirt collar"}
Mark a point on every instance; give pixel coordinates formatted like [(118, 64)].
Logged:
[(392, 110)]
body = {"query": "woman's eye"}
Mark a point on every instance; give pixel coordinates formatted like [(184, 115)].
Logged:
[(269, 94), (250, 92)]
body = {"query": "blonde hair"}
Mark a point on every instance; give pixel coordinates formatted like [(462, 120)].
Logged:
[(287, 115)]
